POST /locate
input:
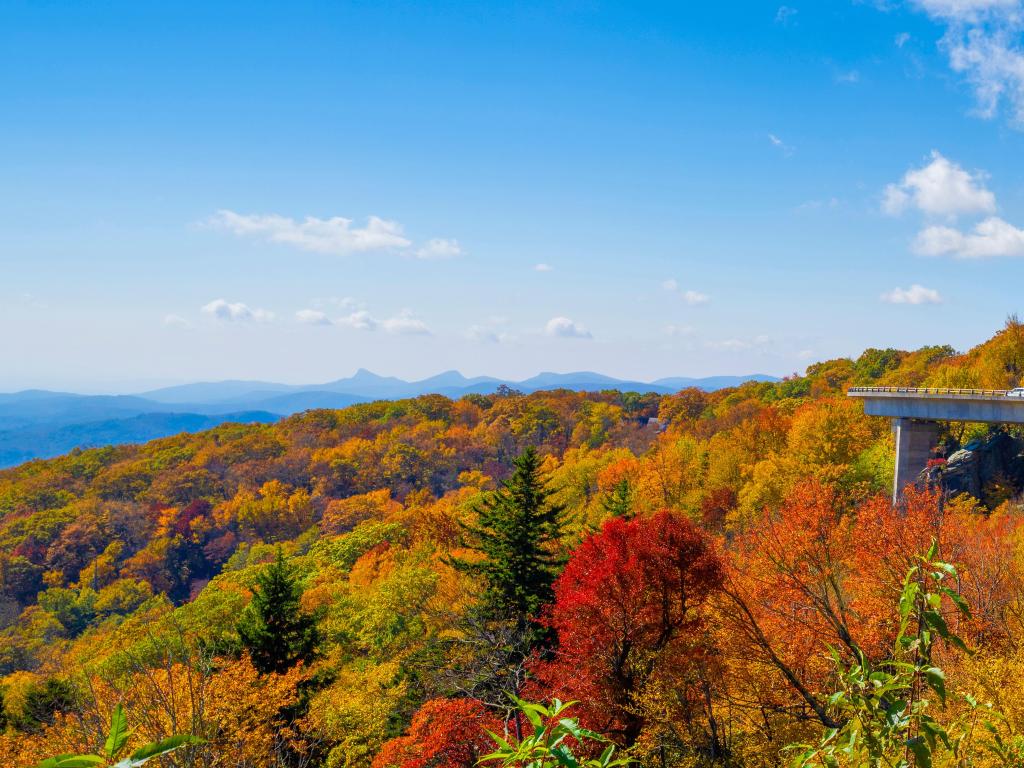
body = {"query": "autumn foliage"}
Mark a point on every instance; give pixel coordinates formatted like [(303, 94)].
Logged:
[(444, 733), (695, 573), (628, 613)]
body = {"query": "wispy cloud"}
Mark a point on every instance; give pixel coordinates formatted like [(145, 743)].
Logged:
[(543, 268), (782, 146), (915, 294), (490, 331), (691, 297), (405, 323), (983, 43), (848, 77), (176, 321), (312, 317), (226, 311), (439, 248), (336, 236), (360, 320), (565, 328), (785, 14)]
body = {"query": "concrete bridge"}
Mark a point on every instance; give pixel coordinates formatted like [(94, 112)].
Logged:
[(916, 413)]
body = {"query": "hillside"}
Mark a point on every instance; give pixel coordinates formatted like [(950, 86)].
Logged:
[(38, 424), (124, 571)]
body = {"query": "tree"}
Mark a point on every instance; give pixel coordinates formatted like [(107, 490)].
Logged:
[(117, 741), (618, 501), (273, 628), (516, 532), (884, 708), (445, 733), (628, 613)]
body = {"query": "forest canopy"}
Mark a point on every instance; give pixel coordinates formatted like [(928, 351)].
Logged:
[(367, 586)]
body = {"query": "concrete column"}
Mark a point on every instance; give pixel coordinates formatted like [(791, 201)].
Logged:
[(915, 441)]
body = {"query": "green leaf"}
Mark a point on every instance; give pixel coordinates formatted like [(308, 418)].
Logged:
[(142, 754), (936, 679), (565, 757), (958, 600), (118, 733), (922, 755), (935, 620), (73, 761)]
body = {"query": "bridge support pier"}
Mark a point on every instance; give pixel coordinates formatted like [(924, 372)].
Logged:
[(915, 441)]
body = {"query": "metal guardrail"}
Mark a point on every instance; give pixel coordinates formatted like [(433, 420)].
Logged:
[(930, 391)]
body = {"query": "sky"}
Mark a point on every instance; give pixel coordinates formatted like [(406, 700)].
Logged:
[(289, 191)]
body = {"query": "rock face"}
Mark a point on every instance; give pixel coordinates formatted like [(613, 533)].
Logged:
[(975, 468)]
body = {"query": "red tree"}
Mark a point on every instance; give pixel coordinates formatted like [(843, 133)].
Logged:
[(627, 607), (444, 733)]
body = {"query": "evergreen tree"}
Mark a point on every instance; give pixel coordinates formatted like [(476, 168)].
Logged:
[(273, 627), (618, 502), (517, 529)]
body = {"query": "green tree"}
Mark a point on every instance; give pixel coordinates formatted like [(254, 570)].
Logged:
[(618, 502), (273, 627), (517, 530)]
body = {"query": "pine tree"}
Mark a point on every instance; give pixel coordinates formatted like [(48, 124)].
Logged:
[(516, 531), (618, 502), (273, 627)]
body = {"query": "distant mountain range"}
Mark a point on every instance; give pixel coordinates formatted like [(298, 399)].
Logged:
[(41, 424)]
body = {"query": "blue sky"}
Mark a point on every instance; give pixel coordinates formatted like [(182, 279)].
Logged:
[(291, 191)]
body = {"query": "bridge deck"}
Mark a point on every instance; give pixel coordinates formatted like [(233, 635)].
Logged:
[(941, 404)]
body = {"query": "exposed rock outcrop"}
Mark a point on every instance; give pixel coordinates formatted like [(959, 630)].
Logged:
[(979, 467)]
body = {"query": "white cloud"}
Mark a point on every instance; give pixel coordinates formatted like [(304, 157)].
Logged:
[(915, 294), (983, 43), (176, 321), (439, 248), (902, 39), (849, 77), (989, 238), (236, 312), (486, 334), (731, 345), (335, 235), (679, 330), (785, 14), (691, 297), (360, 320), (783, 146), (490, 331), (312, 317), (972, 11), (565, 328), (543, 268), (405, 323), (940, 188)]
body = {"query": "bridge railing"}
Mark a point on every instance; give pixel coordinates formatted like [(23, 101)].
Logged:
[(928, 391)]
